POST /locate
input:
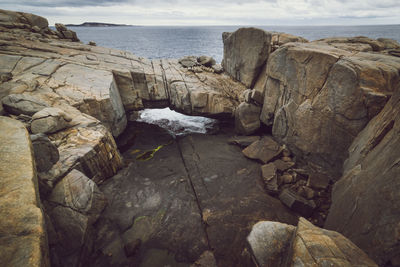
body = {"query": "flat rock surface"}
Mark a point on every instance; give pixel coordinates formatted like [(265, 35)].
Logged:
[(184, 200)]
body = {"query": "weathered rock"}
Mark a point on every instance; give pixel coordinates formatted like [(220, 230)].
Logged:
[(283, 165), (389, 43), (287, 178), (243, 141), (206, 61), (306, 192), (79, 193), (247, 118), (280, 38), (188, 62), (5, 77), (280, 245), (247, 95), (318, 98), (245, 53), (23, 240), (264, 150), (16, 18), (131, 248), (318, 180), (74, 206), (22, 104), (313, 246), (365, 199), (49, 120), (206, 260), (270, 243), (91, 149), (296, 202), (268, 172), (218, 68), (46, 153)]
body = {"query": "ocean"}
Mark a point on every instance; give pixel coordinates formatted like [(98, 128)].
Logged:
[(178, 41), (175, 42)]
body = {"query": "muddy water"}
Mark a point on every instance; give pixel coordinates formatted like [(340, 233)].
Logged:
[(194, 193)]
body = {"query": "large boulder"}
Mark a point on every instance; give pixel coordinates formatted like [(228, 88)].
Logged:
[(245, 53), (365, 200), (23, 240), (247, 118), (281, 245), (90, 149), (318, 98), (73, 207), (14, 18), (270, 242)]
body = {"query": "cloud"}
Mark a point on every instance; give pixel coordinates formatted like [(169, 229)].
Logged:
[(211, 12)]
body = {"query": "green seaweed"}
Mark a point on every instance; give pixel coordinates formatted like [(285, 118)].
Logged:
[(149, 154)]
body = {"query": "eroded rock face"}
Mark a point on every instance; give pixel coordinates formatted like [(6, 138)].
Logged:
[(318, 98), (278, 244), (23, 239), (245, 53), (92, 150), (365, 199)]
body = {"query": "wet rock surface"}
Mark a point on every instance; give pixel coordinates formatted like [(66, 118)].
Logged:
[(184, 199)]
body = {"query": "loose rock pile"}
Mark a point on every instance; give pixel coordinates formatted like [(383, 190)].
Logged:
[(302, 189)]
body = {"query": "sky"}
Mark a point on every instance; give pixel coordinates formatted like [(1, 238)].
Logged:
[(213, 12)]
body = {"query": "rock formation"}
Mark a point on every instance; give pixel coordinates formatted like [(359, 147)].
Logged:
[(365, 200), (23, 238), (327, 101), (278, 244)]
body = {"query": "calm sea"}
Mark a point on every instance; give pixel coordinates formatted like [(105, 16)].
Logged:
[(175, 42)]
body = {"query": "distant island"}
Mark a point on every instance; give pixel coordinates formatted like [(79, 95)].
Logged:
[(97, 24)]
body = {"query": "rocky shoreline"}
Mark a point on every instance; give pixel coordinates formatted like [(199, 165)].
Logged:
[(318, 137)]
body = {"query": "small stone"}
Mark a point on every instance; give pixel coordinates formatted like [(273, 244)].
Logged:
[(318, 180), (270, 178), (206, 61), (265, 150), (297, 203), (283, 165), (243, 141), (247, 95), (92, 43), (188, 61), (206, 259), (287, 159), (286, 179), (131, 248), (35, 29), (257, 96), (306, 192), (5, 76), (302, 172), (218, 68)]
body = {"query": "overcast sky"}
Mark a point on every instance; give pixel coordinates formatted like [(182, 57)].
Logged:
[(213, 12)]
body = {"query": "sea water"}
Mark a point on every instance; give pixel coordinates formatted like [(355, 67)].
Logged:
[(175, 42)]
